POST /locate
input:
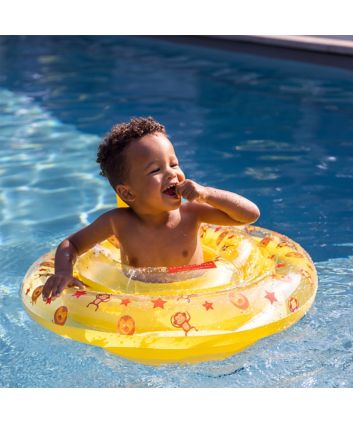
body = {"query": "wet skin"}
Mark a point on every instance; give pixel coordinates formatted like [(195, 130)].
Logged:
[(157, 229)]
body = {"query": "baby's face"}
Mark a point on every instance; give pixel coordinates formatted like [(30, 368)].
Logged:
[(153, 173)]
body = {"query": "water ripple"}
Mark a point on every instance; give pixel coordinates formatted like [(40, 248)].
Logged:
[(279, 133)]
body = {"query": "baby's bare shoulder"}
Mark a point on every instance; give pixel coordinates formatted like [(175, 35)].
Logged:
[(188, 211), (121, 217), (189, 208)]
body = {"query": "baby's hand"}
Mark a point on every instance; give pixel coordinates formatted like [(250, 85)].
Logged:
[(56, 283), (192, 191)]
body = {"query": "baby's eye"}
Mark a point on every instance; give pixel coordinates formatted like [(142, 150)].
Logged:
[(175, 165), (154, 170)]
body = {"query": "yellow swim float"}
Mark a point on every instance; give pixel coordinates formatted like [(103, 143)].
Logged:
[(254, 283)]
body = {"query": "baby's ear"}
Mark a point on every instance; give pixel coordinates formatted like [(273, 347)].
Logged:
[(124, 193)]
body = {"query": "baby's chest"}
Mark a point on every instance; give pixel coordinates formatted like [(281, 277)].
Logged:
[(167, 247)]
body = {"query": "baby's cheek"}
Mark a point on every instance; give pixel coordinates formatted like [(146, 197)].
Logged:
[(153, 183)]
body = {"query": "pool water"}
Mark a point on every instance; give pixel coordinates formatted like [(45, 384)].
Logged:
[(277, 132)]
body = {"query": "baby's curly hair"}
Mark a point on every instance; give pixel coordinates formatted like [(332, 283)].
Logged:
[(110, 154)]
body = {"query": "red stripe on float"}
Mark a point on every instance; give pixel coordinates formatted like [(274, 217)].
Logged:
[(205, 265)]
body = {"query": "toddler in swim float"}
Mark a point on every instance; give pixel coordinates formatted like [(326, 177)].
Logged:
[(157, 229)]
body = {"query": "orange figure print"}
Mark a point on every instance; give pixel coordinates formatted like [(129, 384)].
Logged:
[(99, 299), (239, 300), (48, 264), (283, 244), (126, 325), (36, 293), (293, 304), (305, 273), (229, 248), (294, 255), (45, 268), (60, 315), (203, 230), (264, 242), (181, 320), (250, 229), (221, 237)]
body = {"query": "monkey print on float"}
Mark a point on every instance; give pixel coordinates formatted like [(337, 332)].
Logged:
[(99, 299), (181, 320)]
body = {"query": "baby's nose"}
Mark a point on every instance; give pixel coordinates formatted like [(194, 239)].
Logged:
[(171, 172)]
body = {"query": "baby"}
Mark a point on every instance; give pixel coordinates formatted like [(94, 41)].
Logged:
[(157, 229)]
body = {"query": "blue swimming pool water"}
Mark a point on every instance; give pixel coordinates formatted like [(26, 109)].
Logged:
[(278, 132)]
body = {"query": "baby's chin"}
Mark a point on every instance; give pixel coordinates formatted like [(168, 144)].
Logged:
[(171, 202)]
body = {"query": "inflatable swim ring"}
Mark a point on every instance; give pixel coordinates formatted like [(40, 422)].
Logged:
[(254, 283)]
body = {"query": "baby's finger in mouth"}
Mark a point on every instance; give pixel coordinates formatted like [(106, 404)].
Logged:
[(179, 189)]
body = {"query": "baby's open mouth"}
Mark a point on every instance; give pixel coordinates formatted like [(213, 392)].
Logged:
[(171, 190)]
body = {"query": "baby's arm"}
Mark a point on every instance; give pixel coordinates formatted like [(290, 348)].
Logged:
[(73, 246), (218, 207)]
